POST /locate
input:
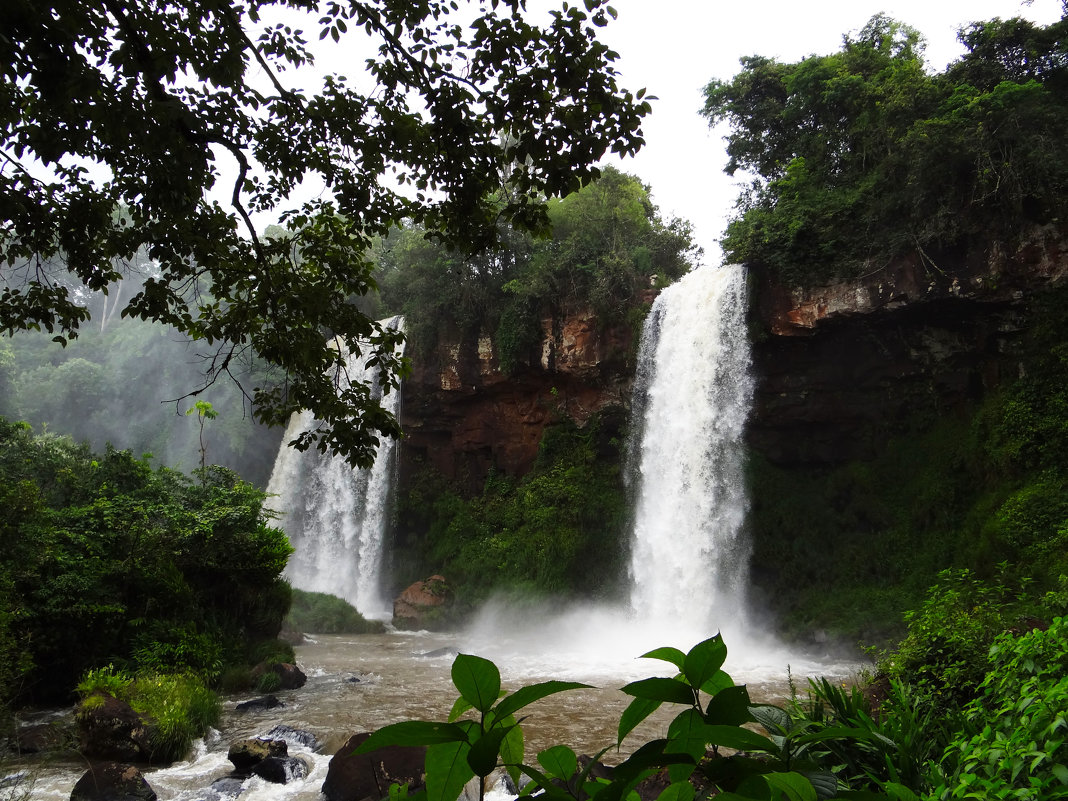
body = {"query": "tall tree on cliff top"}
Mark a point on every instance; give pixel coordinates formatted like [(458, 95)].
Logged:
[(862, 156), (121, 121)]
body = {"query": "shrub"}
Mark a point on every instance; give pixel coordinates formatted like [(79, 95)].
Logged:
[(944, 654), (1015, 744), (269, 682), (178, 707), (322, 613)]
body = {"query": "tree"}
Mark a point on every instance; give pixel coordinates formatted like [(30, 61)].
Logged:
[(118, 120), (861, 156)]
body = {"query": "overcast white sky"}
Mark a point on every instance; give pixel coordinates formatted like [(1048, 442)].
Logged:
[(674, 47)]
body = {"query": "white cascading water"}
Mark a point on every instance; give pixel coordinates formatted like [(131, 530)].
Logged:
[(691, 399), (335, 516)]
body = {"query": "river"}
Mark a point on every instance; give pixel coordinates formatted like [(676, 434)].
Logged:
[(359, 683)]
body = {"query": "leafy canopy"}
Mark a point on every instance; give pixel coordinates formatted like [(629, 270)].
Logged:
[(861, 156), (123, 123)]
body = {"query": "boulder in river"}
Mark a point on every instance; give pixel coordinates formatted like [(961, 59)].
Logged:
[(110, 729), (246, 754), (352, 777), (281, 769), (112, 781), (295, 737), (290, 677), (263, 702), (422, 605)]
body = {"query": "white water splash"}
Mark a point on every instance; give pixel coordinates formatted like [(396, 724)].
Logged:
[(336, 516), (692, 396)]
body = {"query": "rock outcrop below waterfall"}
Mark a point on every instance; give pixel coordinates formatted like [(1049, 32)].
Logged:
[(839, 367)]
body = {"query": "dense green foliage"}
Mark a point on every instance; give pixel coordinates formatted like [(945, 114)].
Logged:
[(103, 559), (861, 156), (608, 242), (850, 548), (1014, 743), (320, 613), (1008, 742), (177, 707), (557, 531), (189, 118)]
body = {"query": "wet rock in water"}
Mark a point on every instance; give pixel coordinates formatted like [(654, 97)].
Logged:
[(14, 780), (447, 651), (422, 604), (110, 729), (290, 677), (352, 680), (354, 777), (281, 770), (112, 781), (246, 754), (295, 737), (39, 737), (224, 789), (263, 702), (290, 635)]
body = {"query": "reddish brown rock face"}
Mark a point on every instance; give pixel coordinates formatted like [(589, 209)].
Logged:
[(464, 417), (840, 367)]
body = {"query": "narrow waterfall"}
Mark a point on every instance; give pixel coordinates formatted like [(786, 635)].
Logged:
[(336, 516), (692, 395)]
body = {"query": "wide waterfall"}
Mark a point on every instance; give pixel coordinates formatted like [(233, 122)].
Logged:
[(691, 399), (336, 516)]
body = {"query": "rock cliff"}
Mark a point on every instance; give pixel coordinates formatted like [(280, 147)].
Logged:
[(464, 417), (840, 367)]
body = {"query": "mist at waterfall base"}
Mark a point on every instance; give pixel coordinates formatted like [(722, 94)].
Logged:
[(335, 517), (689, 553)]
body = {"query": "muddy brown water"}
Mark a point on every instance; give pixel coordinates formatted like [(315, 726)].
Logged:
[(360, 683)]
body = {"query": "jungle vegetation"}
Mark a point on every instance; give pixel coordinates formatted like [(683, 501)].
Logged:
[(107, 560), (862, 156)]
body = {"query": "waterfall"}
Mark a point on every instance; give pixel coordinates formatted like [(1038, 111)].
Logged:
[(691, 398), (335, 516)]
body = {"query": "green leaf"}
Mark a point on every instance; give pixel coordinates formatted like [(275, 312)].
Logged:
[(412, 732), (678, 791), (637, 711), (512, 751), (661, 689), (704, 659), (534, 692), (792, 786), (559, 762), (458, 709), (543, 785), (478, 681), (900, 792), (447, 771), (484, 752), (719, 681), (1061, 772), (772, 718), (739, 739), (823, 782), (687, 735), (729, 707), (667, 654)]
